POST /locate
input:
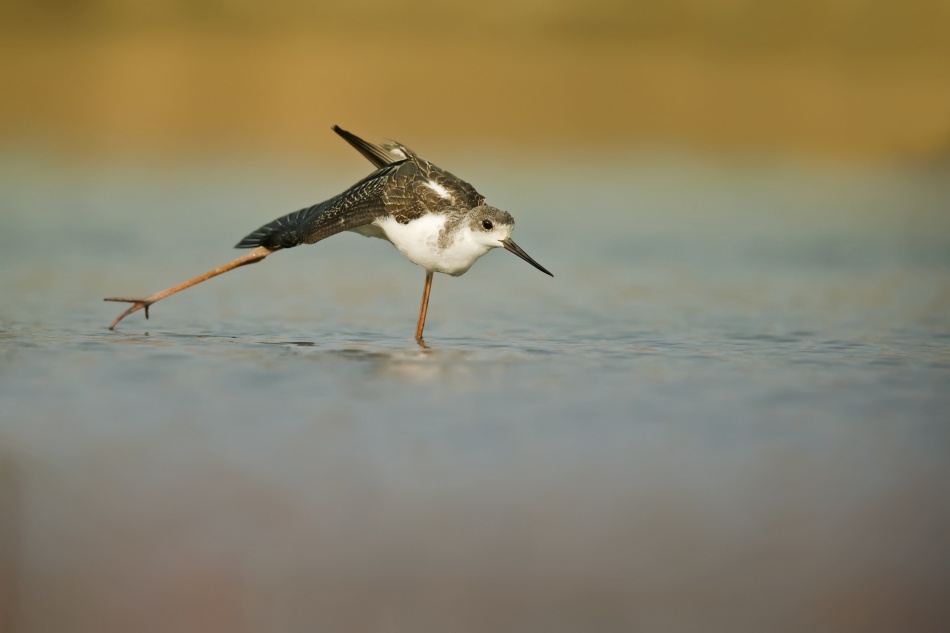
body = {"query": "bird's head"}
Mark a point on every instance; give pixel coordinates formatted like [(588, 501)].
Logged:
[(492, 227)]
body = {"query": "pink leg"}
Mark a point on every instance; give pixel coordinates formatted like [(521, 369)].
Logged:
[(423, 308), (252, 257)]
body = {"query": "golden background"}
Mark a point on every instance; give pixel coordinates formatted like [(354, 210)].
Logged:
[(846, 79)]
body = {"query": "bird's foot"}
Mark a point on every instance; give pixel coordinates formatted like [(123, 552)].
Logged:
[(137, 304)]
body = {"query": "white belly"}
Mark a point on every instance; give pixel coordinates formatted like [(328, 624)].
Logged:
[(419, 242)]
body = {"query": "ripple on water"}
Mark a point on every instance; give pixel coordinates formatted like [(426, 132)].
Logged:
[(697, 390)]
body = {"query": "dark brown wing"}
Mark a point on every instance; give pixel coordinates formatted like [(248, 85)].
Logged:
[(359, 205), (379, 155), (419, 187)]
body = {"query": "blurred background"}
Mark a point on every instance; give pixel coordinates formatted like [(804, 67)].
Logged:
[(727, 411), (844, 79)]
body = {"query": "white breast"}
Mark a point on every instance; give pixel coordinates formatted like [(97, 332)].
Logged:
[(419, 242)]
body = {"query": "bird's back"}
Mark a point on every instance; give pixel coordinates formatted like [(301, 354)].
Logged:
[(418, 187), (404, 190)]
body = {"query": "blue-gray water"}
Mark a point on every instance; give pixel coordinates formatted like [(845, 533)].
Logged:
[(728, 410)]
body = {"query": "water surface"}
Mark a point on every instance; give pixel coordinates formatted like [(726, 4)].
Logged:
[(726, 411)]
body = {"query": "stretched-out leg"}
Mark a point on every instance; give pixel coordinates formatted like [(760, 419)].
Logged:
[(423, 308), (252, 257)]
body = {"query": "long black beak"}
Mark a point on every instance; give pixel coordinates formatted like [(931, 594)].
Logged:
[(511, 247)]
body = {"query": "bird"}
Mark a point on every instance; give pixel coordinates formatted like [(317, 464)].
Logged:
[(435, 219)]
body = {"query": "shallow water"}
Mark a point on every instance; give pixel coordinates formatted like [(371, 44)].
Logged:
[(726, 411)]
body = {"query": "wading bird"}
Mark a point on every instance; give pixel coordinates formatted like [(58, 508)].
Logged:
[(438, 221)]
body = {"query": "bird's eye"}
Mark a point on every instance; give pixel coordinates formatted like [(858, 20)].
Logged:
[(486, 224)]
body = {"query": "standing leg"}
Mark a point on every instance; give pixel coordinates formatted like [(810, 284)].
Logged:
[(422, 309)]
